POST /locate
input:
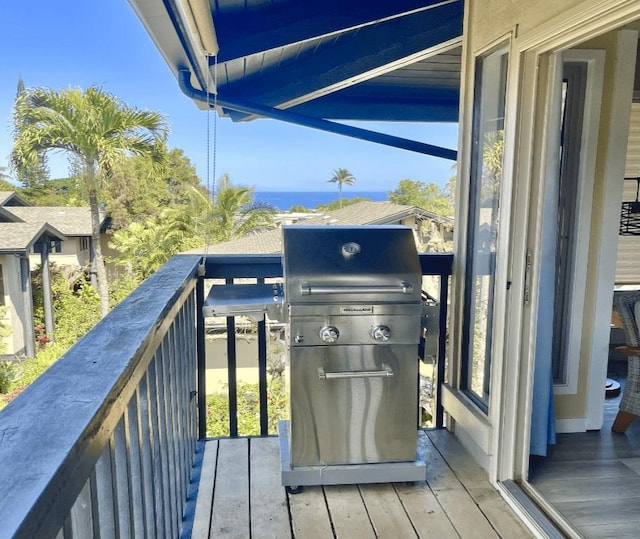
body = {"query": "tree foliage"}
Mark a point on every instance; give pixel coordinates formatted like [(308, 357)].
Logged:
[(58, 192), (5, 184), (299, 208), (95, 129), (146, 245), (492, 157), (427, 196), (138, 190)]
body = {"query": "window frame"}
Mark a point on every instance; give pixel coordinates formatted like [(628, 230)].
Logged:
[(500, 53)]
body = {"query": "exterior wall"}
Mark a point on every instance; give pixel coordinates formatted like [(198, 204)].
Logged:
[(490, 19), (14, 300), (71, 255), (113, 270)]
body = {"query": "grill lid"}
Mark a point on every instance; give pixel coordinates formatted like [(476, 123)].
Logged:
[(355, 264)]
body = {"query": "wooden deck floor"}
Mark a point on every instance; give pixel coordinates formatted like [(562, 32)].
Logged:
[(240, 496)]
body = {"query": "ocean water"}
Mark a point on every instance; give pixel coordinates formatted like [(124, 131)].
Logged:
[(283, 200)]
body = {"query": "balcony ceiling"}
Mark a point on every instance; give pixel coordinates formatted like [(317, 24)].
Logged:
[(324, 59)]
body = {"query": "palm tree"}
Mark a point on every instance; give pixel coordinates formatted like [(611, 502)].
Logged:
[(145, 246), (342, 176), (235, 213), (231, 215), (94, 128)]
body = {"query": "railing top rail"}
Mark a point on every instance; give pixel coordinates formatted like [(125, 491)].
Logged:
[(219, 266), (53, 433)]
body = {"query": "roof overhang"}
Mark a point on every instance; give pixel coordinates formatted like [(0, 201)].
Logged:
[(316, 60)]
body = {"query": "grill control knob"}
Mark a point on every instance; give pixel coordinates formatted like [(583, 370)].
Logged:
[(381, 333), (329, 334)]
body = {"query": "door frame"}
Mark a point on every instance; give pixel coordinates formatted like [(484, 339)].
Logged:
[(535, 85)]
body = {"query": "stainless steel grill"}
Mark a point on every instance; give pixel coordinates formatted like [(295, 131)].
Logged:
[(354, 301)]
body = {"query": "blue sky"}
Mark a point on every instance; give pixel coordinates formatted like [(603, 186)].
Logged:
[(71, 43)]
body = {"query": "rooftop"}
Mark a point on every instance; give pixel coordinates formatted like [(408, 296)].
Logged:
[(70, 220), (21, 236), (21, 224)]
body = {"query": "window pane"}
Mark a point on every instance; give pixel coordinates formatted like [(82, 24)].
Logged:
[(484, 205)]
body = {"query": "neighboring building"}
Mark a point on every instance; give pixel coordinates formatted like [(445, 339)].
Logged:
[(17, 241), (432, 232), (24, 232)]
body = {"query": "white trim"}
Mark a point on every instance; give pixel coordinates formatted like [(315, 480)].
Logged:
[(584, 201), (500, 380), (512, 438), (468, 417), (583, 21), (574, 424), (576, 25)]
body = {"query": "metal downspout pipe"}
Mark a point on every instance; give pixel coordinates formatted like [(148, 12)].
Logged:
[(184, 80)]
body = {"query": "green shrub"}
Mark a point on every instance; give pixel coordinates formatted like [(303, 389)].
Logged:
[(20, 374), (248, 409), (5, 327), (76, 305), (9, 372)]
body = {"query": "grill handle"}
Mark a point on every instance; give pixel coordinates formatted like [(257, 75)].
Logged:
[(307, 289), (384, 373)]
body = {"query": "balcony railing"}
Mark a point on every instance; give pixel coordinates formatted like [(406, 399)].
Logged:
[(260, 267), (105, 442)]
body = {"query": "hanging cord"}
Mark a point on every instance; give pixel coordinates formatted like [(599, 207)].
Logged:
[(211, 156), (211, 184)]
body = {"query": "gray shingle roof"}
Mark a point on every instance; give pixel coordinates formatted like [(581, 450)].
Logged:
[(265, 242), (22, 224), (12, 198), (71, 221), (19, 237), (364, 213)]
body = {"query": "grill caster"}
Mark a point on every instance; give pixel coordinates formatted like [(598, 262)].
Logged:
[(294, 490)]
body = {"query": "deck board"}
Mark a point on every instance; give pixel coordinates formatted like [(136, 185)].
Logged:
[(230, 513), (386, 512), (242, 497), (348, 512), (309, 514), (204, 502), (475, 481), (272, 519), (427, 515)]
